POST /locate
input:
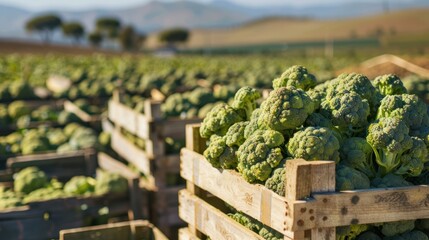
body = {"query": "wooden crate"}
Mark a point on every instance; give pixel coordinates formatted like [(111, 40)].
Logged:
[(133, 230), (43, 220), (311, 209)]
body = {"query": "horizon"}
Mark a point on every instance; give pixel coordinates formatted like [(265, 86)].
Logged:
[(79, 5)]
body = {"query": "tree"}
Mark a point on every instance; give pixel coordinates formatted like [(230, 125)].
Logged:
[(130, 39), (44, 25), (109, 27), (174, 35), (95, 39), (73, 30)]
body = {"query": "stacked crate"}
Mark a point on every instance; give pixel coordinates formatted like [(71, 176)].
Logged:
[(153, 161), (311, 209)]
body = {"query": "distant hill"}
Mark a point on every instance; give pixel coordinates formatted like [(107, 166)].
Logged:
[(396, 26), (156, 15)]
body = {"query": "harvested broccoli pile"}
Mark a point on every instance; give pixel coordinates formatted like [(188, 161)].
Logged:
[(375, 131), (32, 185)]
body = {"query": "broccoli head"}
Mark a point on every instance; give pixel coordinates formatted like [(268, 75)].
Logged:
[(80, 185), (259, 155), (245, 101), (107, 182), (318, 93), (235, 134), (218, 120), (348, 178), (43, 194), (390, 229), (350, 232), (295, 76), (413, 235), (219, 154), (314, 143), (413, 160), (245, 221), (368, 235), (285, 108), (348, 111), (390, 180), (201, 96), (277, 180), (389, 85), (356, 153), (29, 179), (409, 108), (175, 105), (17, 109), (389, 139), (253, 124)]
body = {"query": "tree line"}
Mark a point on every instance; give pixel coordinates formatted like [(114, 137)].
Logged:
[(106, 29)]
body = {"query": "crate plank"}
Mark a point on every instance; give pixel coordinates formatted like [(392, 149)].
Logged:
[(185, 234)]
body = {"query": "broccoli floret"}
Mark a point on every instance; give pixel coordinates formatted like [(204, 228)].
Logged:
[(66, 147), (356, 153), (270, 234), (390, 229), (84, 138), (107, 182), (18, 109), (413, 160), (259, 155), (175, 105), (389, 139), (314, 143), (245, 101), (318, 93), (390, 180), (285, 108), (57, 137), (71, 128), (9, 199), (350, 232), (369, 235), (277, 180), (413, 235), (348, 111), (29, 179), (43, 194), (357, 83), (218, 120), (295, 76), (253, 124), (235, 134), (219, 154), (201, 96), (80, 185), (389, 85), (66, 117), (245, 221), (318, 120), (347, 178), (409, 108)]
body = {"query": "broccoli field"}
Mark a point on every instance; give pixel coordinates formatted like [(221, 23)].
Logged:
[(256, 113)]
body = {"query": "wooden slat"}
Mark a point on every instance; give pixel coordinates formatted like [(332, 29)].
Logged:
[(84, 116), (175, 127), (130, 152), (185, 234), (210, 220), (194, 141), (229, 186)]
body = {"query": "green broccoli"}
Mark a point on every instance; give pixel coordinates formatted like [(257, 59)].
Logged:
[(66, 147), (368, 235), (413, 235), (356, 153), (175, 105), (259, 155), (295, 76), (80, 185), (104, 139), (21, 90), (347, 178), (389, 139), (314, 143), (245, 101), (348, 111), (70, 128), (350, 232), (409, 108), (235, 134), (218, 120), (285, 108), (17, 109), (245, 221), (201, 96), (56, 137), (9, 199), (219, 154), (253, 124), (389, 85), (390, 229), (414, 159), (390, 180), (84, 138), (66, 117), (318, 93), (29, 179), (107, 182), (277, 181), (43, 194)]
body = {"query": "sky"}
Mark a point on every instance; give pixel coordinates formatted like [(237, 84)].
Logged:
[(85, 4)]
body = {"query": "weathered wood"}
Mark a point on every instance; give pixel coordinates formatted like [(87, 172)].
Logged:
[(210, 220), (194, 141), (84, 116), (185, 234), (133, 230)]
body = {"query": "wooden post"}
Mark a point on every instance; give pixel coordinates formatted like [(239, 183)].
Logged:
[(305, 178)]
